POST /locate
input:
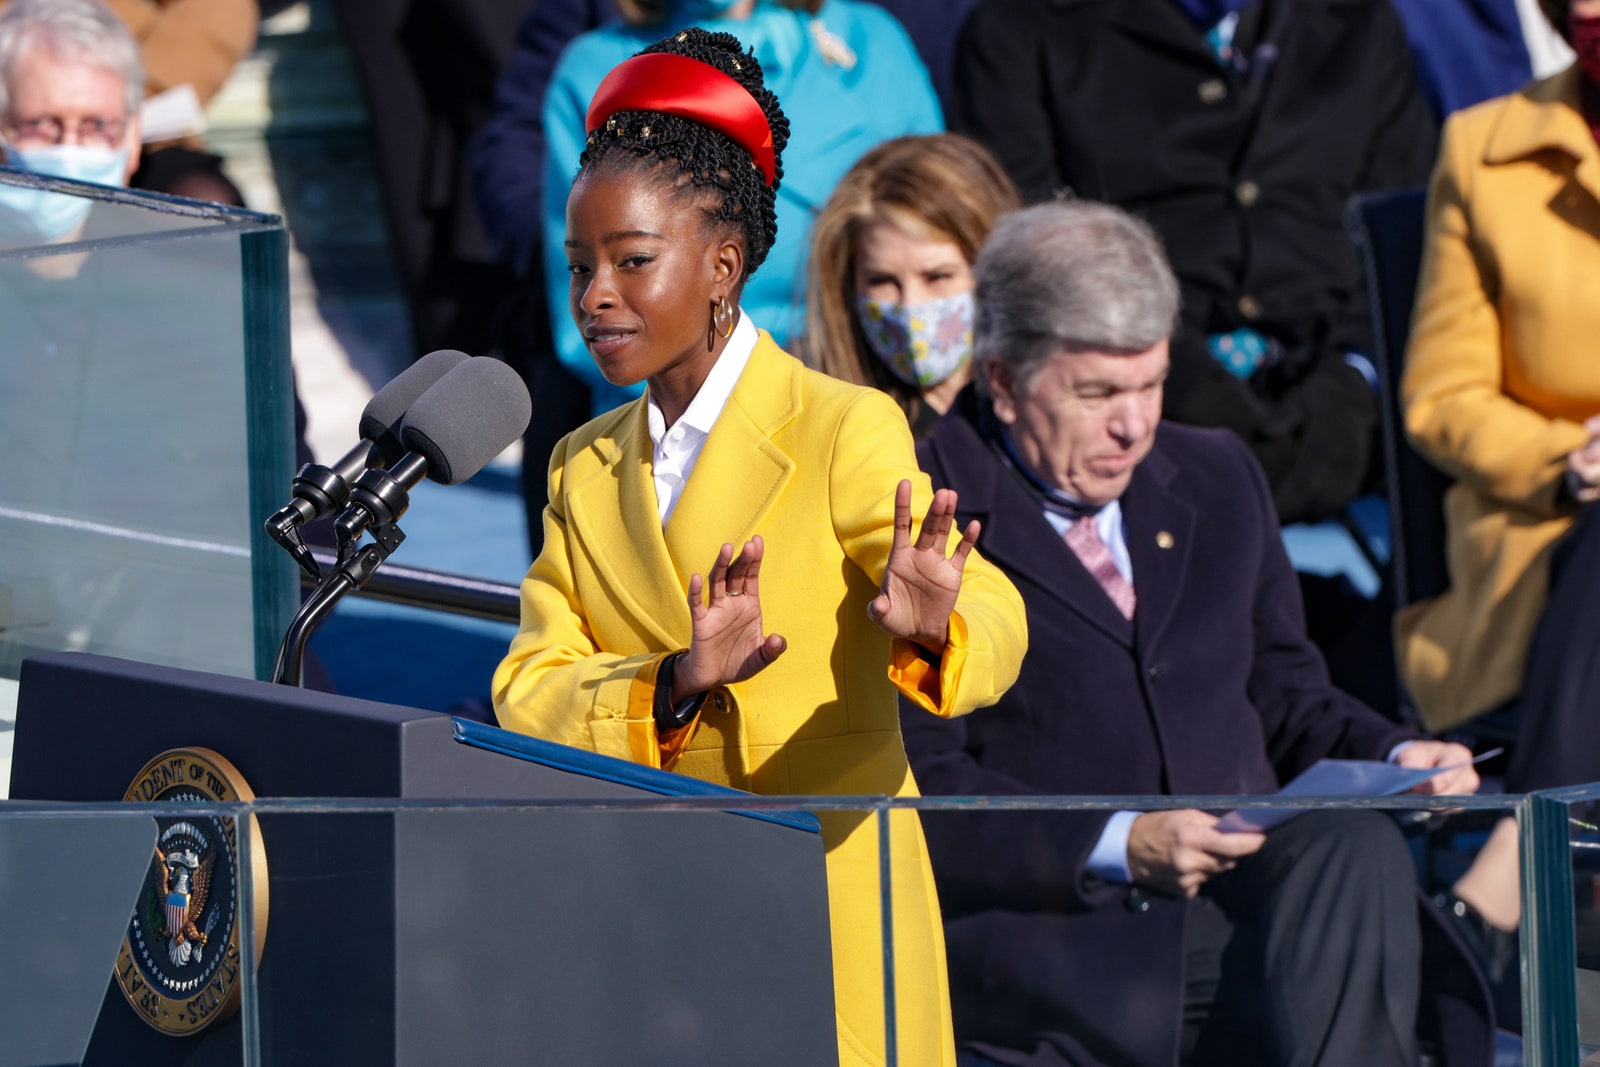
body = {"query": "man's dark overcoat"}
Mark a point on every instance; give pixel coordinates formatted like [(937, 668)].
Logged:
[(1245, 174), (1212, 689)]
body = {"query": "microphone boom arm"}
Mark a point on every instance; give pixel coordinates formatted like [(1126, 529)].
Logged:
[(350, 574)]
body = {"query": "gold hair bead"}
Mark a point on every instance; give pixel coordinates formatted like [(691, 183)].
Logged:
[(682, 37), (645, 132), (736, 65)]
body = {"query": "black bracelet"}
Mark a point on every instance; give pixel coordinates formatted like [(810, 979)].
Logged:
[(667, 715)]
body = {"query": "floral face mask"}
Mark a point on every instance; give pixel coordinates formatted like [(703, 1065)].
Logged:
[(923, 343)]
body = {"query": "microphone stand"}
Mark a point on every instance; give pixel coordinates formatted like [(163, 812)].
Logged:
[(378, 499), (318, 490), (352, 572)]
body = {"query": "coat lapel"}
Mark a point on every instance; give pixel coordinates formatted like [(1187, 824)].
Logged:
[(1160, 532), (1306, 35), (741, 472), (1163, 24), (1548, 115), (613, 513)]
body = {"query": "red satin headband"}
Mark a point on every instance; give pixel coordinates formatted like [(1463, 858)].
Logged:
[(690, 89)]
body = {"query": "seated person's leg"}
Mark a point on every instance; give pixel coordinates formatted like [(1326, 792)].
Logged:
[(1223, 991), (1331, 901), (1558, 743), (1558, 735)]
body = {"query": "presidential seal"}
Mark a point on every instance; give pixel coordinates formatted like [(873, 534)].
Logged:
[(179, 965)]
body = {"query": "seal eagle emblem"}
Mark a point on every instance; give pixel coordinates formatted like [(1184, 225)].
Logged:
[(179, 966), (185, 884)]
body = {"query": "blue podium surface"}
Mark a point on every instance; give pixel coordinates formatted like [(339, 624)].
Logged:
[(606, 769)]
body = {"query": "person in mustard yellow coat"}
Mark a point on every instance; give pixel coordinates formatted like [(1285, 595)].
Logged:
[(730, 585), (1500, 378), (1501, 391)]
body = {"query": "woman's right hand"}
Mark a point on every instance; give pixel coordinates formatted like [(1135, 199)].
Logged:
[(1583, 465), (727, 644)]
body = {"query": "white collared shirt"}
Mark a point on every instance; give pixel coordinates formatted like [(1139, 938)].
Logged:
[(676, 450)]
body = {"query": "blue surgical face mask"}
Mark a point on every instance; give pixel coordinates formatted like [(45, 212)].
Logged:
[(923, 343), (39, 216)]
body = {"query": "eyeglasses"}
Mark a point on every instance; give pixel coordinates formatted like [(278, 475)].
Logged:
[(52, 130)]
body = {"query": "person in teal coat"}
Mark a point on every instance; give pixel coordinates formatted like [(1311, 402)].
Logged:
[(848, 77)]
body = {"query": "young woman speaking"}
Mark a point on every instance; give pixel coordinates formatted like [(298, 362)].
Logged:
[(731, 586)]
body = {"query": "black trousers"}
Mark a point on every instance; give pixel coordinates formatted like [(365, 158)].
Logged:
[(1308, 952), (1558, 712)]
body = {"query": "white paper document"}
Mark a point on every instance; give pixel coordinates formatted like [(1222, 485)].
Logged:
[(1338, 778)]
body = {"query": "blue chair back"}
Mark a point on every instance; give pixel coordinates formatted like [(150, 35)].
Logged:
[(1386, 228)]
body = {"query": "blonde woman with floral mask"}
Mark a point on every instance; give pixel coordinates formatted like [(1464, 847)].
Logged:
[(890, 277)]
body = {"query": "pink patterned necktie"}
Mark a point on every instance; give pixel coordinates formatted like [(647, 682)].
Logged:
[(1083, 537)]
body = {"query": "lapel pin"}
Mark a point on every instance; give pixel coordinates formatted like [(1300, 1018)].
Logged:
[(1164, 540)]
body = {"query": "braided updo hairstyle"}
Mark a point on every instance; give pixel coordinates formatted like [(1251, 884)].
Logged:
[(706, 159)]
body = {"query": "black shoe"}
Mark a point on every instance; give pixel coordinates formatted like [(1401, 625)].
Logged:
[(1498, 953)]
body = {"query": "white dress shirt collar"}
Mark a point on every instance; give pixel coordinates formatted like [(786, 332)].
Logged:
[(676, 449)]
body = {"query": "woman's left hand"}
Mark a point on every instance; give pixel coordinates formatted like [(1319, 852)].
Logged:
[(920, 582)]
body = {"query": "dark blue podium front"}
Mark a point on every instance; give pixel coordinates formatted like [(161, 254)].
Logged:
[(467, 934)]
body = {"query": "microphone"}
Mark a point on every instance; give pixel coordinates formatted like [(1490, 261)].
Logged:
[(319, 491), (472, 415)]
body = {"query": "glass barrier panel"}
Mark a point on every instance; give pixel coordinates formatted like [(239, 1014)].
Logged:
[(1561, 925), (586, 929), (119, 920), (146, 417)]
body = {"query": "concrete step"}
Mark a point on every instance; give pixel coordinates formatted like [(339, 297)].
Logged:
[(293, 128)]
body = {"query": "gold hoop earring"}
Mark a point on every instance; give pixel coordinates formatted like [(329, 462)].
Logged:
[(722, 317)]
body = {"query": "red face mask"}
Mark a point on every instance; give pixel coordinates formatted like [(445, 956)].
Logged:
[(1586, 42)]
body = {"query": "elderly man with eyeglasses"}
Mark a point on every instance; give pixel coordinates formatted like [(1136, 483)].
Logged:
[(70, 84)]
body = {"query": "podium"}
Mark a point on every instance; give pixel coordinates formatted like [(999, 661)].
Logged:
[(468, 931)]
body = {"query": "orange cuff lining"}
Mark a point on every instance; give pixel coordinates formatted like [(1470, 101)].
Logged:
[(930, 685)]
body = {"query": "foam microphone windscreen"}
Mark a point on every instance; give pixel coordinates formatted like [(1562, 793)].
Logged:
[(380, 420), (470, 417)]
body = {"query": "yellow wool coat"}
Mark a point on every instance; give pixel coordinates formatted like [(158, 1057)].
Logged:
[(1502, 369), (811, 465)]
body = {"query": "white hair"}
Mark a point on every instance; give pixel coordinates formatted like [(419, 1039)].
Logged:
[(73, 31), (1070, 276)]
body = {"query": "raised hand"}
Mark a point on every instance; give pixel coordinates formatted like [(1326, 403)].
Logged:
[(726, 644), (920, 582)]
